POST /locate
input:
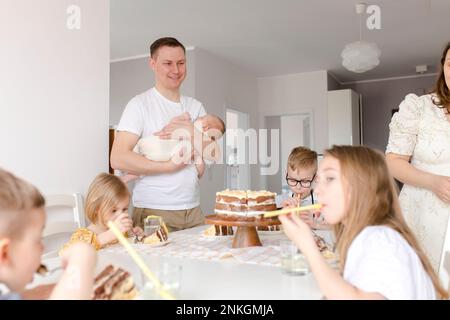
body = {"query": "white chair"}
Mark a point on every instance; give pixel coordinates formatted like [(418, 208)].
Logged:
[(58, 231)]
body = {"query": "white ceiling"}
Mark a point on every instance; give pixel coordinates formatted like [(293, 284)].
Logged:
[(275, 37)]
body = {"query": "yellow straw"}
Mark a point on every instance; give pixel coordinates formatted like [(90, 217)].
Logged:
[(163, 293), (289, 210)]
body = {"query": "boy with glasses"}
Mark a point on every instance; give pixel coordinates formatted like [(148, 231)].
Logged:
[(300, 175)]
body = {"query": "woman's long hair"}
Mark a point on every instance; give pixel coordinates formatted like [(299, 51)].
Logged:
[(441, 90), (372, 201)]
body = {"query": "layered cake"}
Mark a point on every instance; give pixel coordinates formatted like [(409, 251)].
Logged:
[(114, 283), (244, 205)]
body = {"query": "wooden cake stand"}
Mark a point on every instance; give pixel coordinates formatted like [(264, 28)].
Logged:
[(246, 234)]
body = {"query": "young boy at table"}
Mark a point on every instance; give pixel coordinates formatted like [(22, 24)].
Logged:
[(379, 256), (300, 173), (22, 219)]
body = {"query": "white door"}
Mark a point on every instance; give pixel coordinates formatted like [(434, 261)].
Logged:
[(237, 168)]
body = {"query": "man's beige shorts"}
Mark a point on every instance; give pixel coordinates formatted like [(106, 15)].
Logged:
[(174, 219)]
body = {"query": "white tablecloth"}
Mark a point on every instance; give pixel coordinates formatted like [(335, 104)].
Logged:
[(211, 269)]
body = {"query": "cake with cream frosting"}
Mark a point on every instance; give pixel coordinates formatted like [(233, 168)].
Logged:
[(244, 205)]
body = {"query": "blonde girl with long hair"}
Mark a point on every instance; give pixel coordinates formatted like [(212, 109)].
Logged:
[(107, 200), (379, 256)]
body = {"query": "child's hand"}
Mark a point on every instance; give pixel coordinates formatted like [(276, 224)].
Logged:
[(137, 231), (298, 231), (78, 251), (290, 203), (76, 282), (308, 218), (123, 222)]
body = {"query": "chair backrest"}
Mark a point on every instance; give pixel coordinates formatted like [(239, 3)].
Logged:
[(55, 231)]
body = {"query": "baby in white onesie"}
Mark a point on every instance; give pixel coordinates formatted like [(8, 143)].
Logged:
[(157, 149)]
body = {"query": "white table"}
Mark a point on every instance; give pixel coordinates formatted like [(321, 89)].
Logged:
[(204, 280)]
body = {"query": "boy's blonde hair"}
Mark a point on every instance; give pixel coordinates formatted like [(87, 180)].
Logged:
[(104, 193), (17, 199), (301, 157), (373, 201)]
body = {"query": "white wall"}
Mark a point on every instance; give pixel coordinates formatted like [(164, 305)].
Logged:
[(298, 92), (54, 85)]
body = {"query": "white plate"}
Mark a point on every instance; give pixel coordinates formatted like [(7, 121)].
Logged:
[(157, 244)]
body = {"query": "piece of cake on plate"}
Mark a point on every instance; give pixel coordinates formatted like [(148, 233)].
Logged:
[(114, 283), (159, 236)]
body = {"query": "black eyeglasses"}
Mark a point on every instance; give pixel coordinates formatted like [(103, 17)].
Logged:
[(305, 183)]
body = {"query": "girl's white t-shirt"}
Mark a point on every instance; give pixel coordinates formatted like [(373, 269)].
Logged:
[(144, 115), (380, 260)]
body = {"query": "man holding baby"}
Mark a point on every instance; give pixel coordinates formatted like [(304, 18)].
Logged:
[(168, 188)]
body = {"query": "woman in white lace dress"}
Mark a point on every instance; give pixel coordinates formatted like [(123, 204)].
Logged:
[(418, 154)]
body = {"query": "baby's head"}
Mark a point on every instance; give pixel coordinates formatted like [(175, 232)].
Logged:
[(302, 166), (107, 197), (212, 125), (22, 220)]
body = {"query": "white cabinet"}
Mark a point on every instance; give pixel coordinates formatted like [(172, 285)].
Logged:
[(344, 114)]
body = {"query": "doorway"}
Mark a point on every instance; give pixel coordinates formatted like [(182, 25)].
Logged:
[(236, 151)]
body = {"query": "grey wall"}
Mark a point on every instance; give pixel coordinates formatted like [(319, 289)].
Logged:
[(220, 84), (332, 83), (379, 98), (274, 181)]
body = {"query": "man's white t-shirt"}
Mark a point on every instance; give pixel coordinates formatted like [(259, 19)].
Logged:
[(144, 115), (380, 260)]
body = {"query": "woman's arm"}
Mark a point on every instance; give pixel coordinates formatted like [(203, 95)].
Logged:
[(404, 171)]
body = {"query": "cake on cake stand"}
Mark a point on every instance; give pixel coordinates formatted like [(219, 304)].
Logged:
[(246, 234)]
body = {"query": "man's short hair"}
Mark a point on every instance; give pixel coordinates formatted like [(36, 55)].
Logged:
[(17, 199), (302, 157), (165, 42)]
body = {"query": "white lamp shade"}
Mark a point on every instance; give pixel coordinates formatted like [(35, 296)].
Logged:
[(360, 56)]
